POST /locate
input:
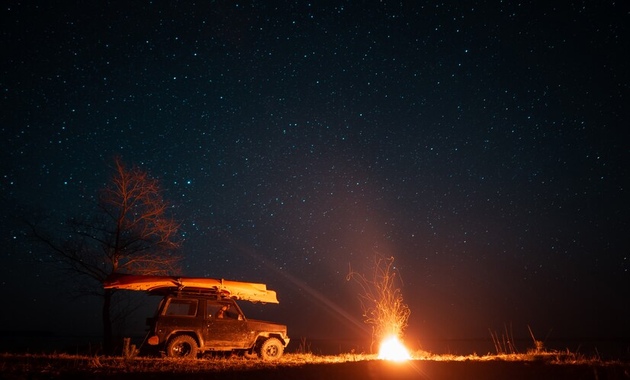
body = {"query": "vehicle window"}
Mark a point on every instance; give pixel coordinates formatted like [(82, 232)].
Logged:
[(212, 310), (180, 307), (222, 311)]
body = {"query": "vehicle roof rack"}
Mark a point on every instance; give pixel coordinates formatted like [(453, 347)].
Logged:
[(190, 291)]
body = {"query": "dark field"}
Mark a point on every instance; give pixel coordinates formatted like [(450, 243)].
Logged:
[(305, 366), (39, 358)]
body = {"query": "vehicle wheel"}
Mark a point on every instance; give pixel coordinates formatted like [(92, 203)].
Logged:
[(271, 349), (182, 346)]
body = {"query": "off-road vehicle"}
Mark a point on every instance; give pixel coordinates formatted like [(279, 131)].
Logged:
[(199, 315)]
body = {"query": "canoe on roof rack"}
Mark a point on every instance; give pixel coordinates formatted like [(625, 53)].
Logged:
[(247, 291)]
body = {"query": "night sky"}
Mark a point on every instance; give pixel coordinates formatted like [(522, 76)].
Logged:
[(481, 144)]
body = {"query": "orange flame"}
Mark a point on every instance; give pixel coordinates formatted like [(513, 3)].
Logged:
[(393, 349)]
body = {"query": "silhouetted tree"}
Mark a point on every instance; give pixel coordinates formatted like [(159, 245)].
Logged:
[(130, 232)]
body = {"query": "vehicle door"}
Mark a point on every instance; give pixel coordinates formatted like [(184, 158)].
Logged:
[(226, 327)]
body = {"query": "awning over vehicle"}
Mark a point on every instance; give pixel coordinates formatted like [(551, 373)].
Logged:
[(247, 291)]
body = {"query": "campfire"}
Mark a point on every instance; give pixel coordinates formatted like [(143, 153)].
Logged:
[(393, 349)]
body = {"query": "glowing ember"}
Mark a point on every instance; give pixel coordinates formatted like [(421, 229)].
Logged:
[(393, 349)]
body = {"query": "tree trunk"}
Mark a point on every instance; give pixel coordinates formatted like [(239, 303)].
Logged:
[(108, 338)]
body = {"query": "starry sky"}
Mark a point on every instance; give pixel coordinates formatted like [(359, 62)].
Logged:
[(479, 143)]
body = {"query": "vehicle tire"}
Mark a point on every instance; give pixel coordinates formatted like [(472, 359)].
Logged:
[(271, 349), (182, 346)]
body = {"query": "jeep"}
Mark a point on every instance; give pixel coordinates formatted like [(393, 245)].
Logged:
[(188, 324), (199, 315)]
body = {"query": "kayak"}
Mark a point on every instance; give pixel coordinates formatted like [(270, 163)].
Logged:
[(247, 291)]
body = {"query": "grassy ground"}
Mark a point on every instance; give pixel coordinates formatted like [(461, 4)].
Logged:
[(425, 365)]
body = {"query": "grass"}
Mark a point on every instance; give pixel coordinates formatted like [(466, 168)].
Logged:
[(55, 364), (58, 364)]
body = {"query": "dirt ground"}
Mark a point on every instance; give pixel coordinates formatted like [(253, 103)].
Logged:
[(364, 369), (421, 370), (442, 370)]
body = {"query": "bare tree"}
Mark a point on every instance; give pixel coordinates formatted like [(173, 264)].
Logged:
[(131, 232)]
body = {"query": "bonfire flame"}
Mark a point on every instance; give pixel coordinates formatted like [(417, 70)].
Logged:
[(393, 349), (383, 308)]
